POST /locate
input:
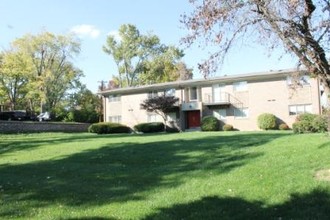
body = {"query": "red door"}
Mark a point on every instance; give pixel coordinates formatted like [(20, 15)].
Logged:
[(193, 119)]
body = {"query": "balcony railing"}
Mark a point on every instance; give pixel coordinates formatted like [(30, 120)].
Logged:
[(222, 98)]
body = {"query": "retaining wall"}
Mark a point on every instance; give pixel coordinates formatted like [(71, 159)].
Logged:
[(27, 127)]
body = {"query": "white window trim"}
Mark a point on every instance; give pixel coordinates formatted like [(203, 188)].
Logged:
[(115, 118), (296, 112), (152, 117)]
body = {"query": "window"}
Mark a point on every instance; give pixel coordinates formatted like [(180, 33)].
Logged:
[(301, 80), (241, 112), (240, 86), (193, 93), (115, 119), (152, 94), (170, 92), (300, 109), (114, 98), (152, 118), (220, 114), (171, 116)]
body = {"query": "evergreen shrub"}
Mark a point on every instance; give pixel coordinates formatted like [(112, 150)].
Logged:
[(210, 123), (150, 127), (267, 121), (108, 128)]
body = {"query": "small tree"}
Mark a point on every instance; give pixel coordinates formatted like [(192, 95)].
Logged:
[(161, 105)]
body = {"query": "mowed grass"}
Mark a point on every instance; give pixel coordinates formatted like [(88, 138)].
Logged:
[(196, 175)]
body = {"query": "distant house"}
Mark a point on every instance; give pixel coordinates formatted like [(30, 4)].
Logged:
[(237, 100)]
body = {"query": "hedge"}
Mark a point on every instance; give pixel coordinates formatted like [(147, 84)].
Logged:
[(108, 128), (150, 127)]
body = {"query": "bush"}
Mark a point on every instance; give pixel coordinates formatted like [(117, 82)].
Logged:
[(283, 126), (149, 127), (320, 123), (210, 123), (301, 127), (304, 123), (228, 127), (266, 121), (108, 128), (172, 129), (306, 117)]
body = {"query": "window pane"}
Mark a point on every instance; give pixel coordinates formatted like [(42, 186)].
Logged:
[(292, 110), (240, 86), (304, 80), (300, 109), (193, 93), (152, 94), (241, 113), (170, 92)]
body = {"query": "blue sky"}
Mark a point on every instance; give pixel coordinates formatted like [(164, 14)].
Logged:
[(93, 20)]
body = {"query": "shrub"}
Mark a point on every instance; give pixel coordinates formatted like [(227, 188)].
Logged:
[(210, 123), (172, 129), (283, 126), (266, 121), (304, 123), (306, 117), (228, 127), (108, 128), (301, 127), (320, 123), (149, 127)]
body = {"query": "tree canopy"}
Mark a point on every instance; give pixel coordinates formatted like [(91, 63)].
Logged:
[(37, 71), (301, 27), (142, 59)]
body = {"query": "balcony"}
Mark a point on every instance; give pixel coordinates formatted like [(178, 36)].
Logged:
[(221, 99)]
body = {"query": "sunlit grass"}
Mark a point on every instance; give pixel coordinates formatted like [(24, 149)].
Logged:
[(197, 175)]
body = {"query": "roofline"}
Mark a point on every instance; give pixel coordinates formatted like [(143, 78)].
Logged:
[(201, 82)]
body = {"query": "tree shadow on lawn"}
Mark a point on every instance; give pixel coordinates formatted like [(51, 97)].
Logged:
[(33, 141), (121, 172), (314, 205)]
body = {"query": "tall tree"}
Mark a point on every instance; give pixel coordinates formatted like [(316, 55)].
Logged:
[(140, 59), (84, 106), (161, 67), (15, 71), (53, 72), (302, 27)]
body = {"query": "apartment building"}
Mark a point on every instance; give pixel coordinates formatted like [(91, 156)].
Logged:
[(237, 99)]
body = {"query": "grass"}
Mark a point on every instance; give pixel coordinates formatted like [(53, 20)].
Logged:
[(197, 175)]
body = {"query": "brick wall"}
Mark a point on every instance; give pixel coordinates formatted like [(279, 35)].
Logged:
[(27, 127)]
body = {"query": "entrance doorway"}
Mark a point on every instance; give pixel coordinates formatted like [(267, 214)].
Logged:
[(193, 119)]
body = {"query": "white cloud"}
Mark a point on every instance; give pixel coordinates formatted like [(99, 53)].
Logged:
[(86, 30), (115, 34)]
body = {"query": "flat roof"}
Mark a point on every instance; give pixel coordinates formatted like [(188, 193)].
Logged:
[(201, 82)]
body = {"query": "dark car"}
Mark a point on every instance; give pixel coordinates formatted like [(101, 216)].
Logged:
[(13, 115)]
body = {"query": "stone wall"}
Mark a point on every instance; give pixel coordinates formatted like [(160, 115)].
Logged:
[(27, 127)]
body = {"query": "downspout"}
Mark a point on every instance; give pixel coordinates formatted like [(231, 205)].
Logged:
[(182, 119), (319, 96), (104, 108)]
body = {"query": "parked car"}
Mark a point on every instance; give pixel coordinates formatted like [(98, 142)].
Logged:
[(16, 115), (45, 116)]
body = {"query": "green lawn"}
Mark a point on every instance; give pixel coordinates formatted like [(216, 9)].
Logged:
[(196, 175)]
